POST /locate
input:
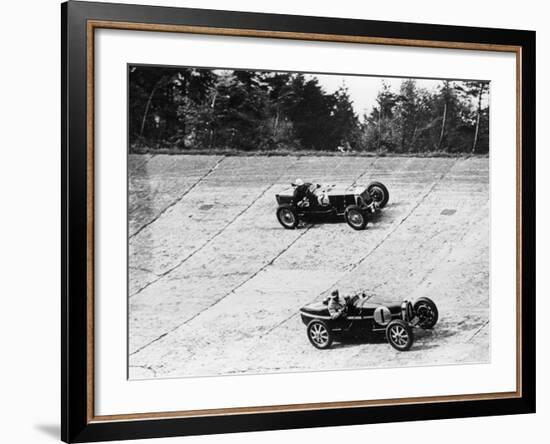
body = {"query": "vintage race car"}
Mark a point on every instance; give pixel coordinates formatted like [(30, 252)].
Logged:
[(363, 317), (355, 204)]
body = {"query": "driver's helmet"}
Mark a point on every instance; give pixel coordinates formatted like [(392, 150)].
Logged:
[(335, 294), (298, 182)]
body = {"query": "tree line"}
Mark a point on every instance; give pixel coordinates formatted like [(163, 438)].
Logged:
[(203, 109)]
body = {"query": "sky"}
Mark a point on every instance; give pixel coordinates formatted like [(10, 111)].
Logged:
[(364, 89)]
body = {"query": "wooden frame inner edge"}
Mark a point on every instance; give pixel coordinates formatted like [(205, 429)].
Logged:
[(90, 28)]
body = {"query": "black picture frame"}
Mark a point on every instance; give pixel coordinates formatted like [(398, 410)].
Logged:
[(77, 424)]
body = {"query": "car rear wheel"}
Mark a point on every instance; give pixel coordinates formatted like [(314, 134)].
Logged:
[(379, 193), (319, 334), (355, 217), (427, 312), (287, 216), (399, 335)]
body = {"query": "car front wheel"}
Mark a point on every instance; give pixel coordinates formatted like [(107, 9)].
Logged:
[(319, 334), (427, 313), (287, 216), (355, 217), (379, 193), (399, 335)]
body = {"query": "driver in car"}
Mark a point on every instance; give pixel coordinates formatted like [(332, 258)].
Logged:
[(303, 194), (336, 305)]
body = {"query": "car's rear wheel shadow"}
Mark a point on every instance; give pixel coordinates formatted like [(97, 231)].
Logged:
[(423, 338), (337, 220)]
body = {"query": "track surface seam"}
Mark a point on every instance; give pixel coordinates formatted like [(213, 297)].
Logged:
[(217, 301), (210, 239), (402, 221), (478, 330), (175, 202), (364, 172), (162, 275), (284, 250)]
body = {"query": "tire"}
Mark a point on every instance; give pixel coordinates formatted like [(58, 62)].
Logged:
[(379, 193), (287, 216), (319, 334), (399, 335), (427, 312), (355, 217)]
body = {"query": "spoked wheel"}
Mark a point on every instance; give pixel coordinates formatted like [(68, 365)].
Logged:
[(355, 217), (427, 312), (379, 193), (399, 335), (287, 216), (319, 335)]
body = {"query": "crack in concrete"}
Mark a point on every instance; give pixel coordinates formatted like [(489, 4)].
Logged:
[(145, 367), (146, 270), (210, 239), (176, 201)]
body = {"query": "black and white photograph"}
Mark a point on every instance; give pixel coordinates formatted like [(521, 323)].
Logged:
[(290, 221), (267, 222)]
